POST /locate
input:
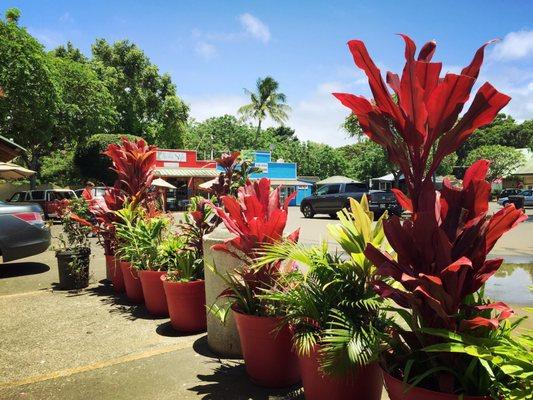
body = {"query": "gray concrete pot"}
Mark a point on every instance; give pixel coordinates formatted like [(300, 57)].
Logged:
[(222, 339)]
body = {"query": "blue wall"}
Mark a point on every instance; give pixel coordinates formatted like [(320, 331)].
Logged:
[(275, 170)]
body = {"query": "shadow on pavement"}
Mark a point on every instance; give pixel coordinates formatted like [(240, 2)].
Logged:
[(119, 303), (11, 270), (229, 380), (166, 329)]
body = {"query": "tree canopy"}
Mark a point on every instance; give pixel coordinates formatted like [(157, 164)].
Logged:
[(503, 159)]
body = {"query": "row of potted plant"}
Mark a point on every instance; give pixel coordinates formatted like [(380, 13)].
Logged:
[(444, 339)]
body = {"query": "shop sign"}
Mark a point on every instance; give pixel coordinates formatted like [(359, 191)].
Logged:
[(175, 156), (263, 167)]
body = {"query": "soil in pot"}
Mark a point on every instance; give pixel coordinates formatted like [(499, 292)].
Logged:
[(73, 268), (267, 351), (154, 293), (366, 383), (395, 389), (186, 305), (132, 283)]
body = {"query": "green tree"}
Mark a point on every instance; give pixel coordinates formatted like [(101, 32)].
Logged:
[(367, 160), (91, 163), (219, 134), (503, 131), (146, 100), (86, 106), (282, 133), (265, 101), (29, 109), (503, 159), (70, 52)]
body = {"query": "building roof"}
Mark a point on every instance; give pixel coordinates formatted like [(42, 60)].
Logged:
[(187, 172), (526, 169), (9, 149), (336, 179), (289, 182)]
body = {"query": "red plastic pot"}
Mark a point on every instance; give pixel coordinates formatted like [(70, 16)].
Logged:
[(132, 283), (109, 264), (365, 384), (115, 273), (186, 305), (395, 389), (267, 352), (154, 293)]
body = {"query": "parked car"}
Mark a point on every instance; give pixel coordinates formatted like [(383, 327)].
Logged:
[(47, 199), (97, 191), (528, 197), (503, 198), (331, 198), (23, 232)]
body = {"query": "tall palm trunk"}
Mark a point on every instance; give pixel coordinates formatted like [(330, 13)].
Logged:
[(257, 132)]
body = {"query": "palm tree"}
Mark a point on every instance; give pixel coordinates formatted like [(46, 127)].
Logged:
[(266, 101)]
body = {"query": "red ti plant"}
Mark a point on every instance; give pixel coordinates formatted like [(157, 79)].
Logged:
[(257, 218), (134, 162), (234, 175), (442, 250)]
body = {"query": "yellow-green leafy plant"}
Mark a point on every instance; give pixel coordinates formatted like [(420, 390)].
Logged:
[(328, 299)]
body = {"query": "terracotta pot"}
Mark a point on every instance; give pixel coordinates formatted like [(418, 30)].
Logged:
[(117, 278), (154, 293), (109, 262), (186, 305), (365, 384), (267, 352), (395, 389), (132, 283)]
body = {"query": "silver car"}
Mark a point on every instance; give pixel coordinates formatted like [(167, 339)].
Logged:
[(23, 232)]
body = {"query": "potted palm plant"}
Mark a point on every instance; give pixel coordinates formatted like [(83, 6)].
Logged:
[(73, 250), (184, 260), (441, 263), (140, 238), (257, 218), (328, 301)]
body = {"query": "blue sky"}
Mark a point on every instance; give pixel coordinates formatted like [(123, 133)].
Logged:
[(214, 49)]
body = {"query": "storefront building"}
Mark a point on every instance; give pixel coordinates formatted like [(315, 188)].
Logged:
[(281, 174), (182, 169)]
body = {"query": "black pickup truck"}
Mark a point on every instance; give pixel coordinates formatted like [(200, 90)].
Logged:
[(331, 198)]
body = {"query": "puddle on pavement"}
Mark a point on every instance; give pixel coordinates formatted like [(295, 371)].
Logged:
[(511, 284)]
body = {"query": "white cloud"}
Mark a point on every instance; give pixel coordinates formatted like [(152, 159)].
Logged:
[(49, 38), (515, 45), (203, 107), (66, 17), (205, 50), (255, 27)]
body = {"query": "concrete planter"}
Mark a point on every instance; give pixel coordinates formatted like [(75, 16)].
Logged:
[(222, 339)]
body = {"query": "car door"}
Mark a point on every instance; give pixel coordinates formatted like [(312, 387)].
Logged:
[(319, 198), (331, 199), (528, 197)]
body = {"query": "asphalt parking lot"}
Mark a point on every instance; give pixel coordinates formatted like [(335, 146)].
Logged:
[(95, 345)]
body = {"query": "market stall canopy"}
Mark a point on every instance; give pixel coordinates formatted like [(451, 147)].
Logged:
[(13, 171), (162, 183), (337, 179), (9, 149), (187, 172)]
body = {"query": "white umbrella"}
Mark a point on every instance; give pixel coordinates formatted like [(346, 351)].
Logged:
[(207, 185), (13, 171), (162, 183)]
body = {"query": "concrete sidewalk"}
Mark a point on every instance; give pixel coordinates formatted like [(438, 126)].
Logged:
[(95, 345)]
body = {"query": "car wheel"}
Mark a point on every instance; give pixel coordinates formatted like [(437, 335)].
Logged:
[(505, 203), (333, 215), (307, 211)]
